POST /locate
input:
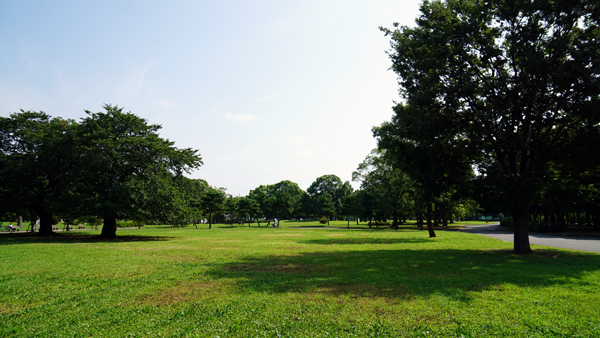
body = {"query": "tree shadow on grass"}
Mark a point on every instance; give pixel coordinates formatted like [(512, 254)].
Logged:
[(404, 274), (333, 240), (34, 238)]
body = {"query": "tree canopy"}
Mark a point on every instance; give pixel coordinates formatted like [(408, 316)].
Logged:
[(504, 82)]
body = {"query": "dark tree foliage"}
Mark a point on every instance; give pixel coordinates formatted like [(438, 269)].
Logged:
[(126, 168), (332, 187), (505, 80), (391, 185), (38, 155), (212, 202)]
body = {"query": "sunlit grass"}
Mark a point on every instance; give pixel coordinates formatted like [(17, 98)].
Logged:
[(293, 281)]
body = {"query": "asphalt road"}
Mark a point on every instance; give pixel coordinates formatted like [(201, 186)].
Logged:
[(574, 243)]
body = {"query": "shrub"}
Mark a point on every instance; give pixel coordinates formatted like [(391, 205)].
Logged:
[(323, 220), (538, 226), (126, 224), (507, 222)]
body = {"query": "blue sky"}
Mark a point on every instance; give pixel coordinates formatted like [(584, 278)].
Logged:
[(265, 90)]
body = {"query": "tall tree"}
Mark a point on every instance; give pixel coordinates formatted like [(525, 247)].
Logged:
[(287, 198), (248, 208), (212, 202), (38, 155), (391, 185), (126, 167), (510, 78), (332, 187)]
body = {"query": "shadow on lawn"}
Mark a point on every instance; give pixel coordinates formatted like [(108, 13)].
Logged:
[(29, 238), (333, 240), (403, 274)]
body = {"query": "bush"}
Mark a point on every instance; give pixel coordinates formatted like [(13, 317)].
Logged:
[(507, 222), (323, 220), (126, 224), (538, 226)]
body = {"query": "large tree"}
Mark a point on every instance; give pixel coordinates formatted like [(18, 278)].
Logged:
[(511, 78), (212, 202), (38, 156), (391, 185), (332, 187), (126, 167)]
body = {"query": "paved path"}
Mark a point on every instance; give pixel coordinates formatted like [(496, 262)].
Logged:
[(575, 243)]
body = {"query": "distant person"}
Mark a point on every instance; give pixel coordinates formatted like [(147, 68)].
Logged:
[(11, 227)]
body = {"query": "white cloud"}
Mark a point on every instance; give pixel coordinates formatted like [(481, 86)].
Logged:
[(240, 117), (164, 103), (303, 153)]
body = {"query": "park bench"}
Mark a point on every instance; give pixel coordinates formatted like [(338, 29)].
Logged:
[(55, 227), (81, 226)]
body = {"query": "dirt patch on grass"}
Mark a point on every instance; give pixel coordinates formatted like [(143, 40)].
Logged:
[(278, 268), (8, 310), (364, 291), (181, 293)]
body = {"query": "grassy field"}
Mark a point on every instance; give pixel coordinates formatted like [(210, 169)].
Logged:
[(294, 281)]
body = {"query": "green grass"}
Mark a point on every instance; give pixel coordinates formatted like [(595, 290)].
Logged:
[(292, 282)]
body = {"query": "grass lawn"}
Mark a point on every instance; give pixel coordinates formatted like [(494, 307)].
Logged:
[(294, 281)]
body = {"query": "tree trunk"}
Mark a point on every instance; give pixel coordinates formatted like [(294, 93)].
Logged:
[(395, 219), (109, 229), (210, 220), (348, 222), (429, 223), (521, 218), (420, 216), (444, 214), (328, 220), (45, 223)]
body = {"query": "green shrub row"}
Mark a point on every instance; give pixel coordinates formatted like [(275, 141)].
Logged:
[(127, 224)]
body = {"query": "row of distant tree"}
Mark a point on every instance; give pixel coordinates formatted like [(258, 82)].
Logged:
[(382, 197), (113, 165)]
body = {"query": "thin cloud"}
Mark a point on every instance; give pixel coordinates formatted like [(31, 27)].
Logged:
[(142, 76), (164, 103), (267, 98), (240, 117)]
